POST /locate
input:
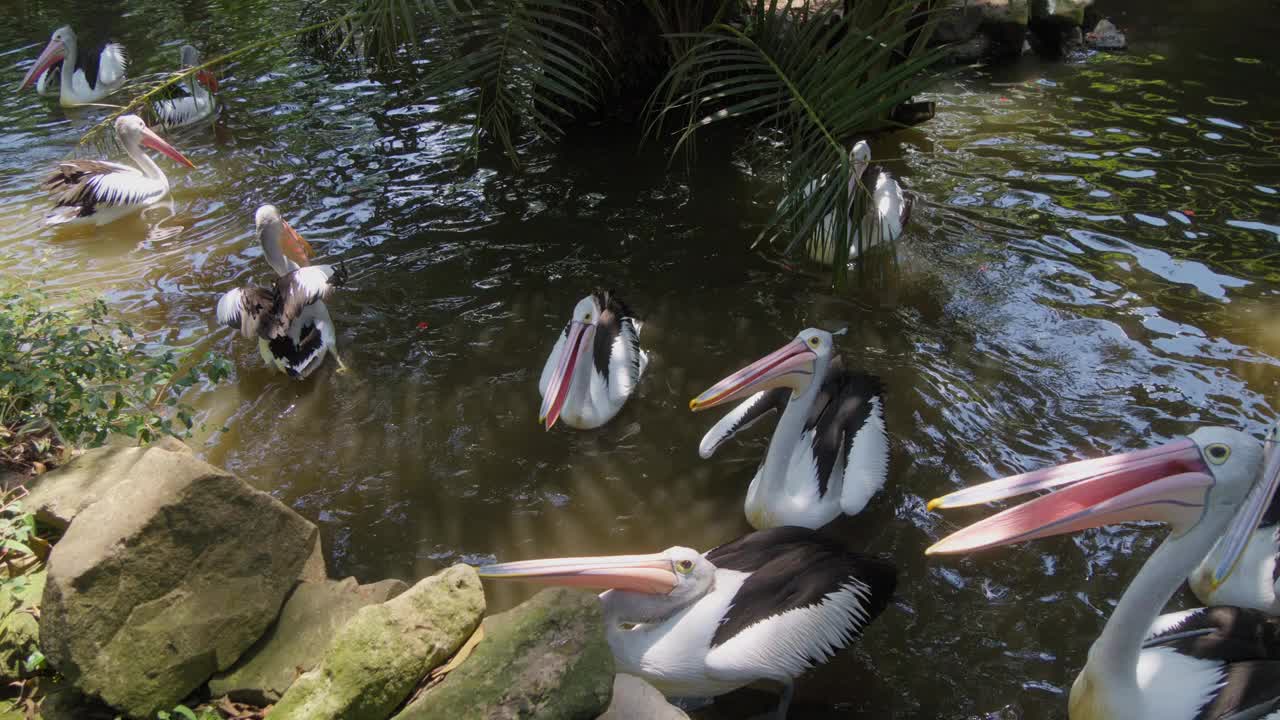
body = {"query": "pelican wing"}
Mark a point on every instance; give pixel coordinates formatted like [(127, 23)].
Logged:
[(617, 354), (112, 64), (244, 309), (804, 598), (848, 434), (79, 187), (746, 414), (300, 288), (1246, 644)]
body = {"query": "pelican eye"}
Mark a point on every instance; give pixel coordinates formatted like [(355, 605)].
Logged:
[(1218, 453), (586, 318), (684, 567), (814, 342)]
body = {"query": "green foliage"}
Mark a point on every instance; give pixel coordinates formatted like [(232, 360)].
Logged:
[(182, 712), (815, 78), (87, 376)]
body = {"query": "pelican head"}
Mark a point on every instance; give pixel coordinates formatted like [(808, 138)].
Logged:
[(860, 157), (640, 588), (581, 332), (1209, 477), (133, 132), (61, 44), (794, 365), (190, 57), (281, 244)]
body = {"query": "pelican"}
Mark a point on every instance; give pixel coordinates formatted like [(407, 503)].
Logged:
[(603, 326), (1254, 583), (96, 192), (1218, 663), (767, 606), (87, 76), (289, 318), (829, 453), (193, 99), (883, 220)]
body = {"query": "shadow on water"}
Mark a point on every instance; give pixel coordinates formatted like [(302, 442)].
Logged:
[(1091, 266)]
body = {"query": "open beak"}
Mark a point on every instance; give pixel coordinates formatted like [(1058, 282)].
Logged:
[(651, 574), (294, 247), (157, 143), (207, 79), (786, 366), (1154, 485), (1227, 553), (53, 52), (580, 337)]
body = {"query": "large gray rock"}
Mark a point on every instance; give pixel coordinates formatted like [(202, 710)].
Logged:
[(167, 579), (1106, 36), (546, 658), (311, 617), (59, 495), (384, 651), (635, 699)]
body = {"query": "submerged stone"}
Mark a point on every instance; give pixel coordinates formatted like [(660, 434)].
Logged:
[(546, 658)]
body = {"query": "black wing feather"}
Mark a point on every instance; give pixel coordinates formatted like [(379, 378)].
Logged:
[(839, 411)]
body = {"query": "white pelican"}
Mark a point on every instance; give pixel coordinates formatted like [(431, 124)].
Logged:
[(829, 453), (96, 192), (289, 318), (767, 606), (1219, 663), (886, 214), (588, 395), (87, 75), (192, 100), (1254, 584)]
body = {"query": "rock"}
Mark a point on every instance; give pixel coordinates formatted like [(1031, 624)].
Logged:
[(311, 617), (958, 21), (19, 628), (1106, 36), (971, 50), (635, 699), (999, 12), (384, 651), (1068, 11), (546, 658), (167, 579)]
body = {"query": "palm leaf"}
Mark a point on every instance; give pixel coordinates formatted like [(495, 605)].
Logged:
[(820, 77)]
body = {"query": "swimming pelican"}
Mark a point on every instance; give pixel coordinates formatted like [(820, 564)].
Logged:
[(87, 75), (767, 606), (829, 453), (289, 318), (96, 192), (1219, 663), (589, 395), (1254, 584), (193, 99), (886, 214)]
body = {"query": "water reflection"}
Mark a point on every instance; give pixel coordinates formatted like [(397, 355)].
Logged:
[(1090, 268)]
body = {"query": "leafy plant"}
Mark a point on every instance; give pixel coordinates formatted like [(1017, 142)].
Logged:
[(182, 712), (77, 374)]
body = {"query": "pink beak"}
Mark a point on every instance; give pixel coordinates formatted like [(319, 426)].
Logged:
[(652, 574), (791, 361), (1144, 485), (207, 79), (580, 337), (53, 52), (155, 142)]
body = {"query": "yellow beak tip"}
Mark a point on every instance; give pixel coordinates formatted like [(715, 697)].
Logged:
[(693, 404), (931, 549), (934, 504)]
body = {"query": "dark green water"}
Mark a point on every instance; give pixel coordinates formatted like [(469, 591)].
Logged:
[(1092, 266)]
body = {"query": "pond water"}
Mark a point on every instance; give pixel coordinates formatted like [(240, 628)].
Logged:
[(1091, 266)]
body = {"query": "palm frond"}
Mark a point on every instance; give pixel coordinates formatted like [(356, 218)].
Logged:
[(819, 77), (530, 64)]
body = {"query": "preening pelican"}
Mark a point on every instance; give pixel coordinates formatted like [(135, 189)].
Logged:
[(1254, 584), (767, 606), (96, 192), (829, 453), (588, 394), (193, 99), (886, 213), (1218, 663), (87, 75), (289, 318)]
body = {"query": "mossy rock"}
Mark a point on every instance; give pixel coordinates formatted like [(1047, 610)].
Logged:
[(547, 658)]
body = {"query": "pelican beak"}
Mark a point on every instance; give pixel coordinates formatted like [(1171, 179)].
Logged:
[(581, 335), (1225, 556), (53, 52), (207, 79), (1170, 481), (155, 142), (789, 366), (652, 574), (294, 247)]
